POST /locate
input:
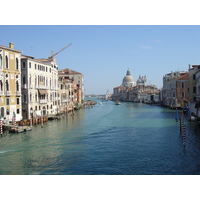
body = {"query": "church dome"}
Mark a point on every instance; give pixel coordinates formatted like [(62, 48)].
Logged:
[(128, 80)]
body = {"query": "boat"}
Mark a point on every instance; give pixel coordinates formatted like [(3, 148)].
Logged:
[(100, 103), (117, 102)]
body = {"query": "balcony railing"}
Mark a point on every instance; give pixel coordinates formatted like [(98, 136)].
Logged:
[(65, 100), (43, 100), (18, 93), (1, 93), (8, 93), (30, 86), (42, 87)]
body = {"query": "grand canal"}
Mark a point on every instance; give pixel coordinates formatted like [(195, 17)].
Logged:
[(129, 139)]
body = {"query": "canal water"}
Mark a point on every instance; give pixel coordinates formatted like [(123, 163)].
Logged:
[(128, 139)]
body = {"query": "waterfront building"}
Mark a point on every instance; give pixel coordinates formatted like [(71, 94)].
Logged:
[(108, 95), (139, 92), (65, 86), (192, 87), (10, 82), (175, 89), (78, 78), (39, 87)]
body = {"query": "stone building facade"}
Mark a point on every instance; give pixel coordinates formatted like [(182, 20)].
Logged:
[(39, 87), (136, 92), (10, 82)]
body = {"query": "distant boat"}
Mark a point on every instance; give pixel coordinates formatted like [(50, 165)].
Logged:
[(117, 102), (100, 103)]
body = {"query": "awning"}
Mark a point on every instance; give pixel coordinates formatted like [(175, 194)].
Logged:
[(42, 92)]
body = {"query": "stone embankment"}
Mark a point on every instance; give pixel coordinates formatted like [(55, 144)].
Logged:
[(40, 120)]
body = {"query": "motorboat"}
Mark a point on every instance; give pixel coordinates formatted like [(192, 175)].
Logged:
[(117, 102)]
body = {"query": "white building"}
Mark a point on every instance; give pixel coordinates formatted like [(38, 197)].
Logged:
[(39, 87)]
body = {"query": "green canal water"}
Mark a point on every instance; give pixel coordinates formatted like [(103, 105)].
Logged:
[(129, 139)]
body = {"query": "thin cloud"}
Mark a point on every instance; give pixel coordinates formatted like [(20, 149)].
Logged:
[(146, 47)]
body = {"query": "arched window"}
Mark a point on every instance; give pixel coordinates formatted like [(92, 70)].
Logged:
[(6, 61), (1, 85), (17, 86), (7, 85), (17, 64), (30, 97), (2, 112), (36, 96), (1, 61), (35, 80)]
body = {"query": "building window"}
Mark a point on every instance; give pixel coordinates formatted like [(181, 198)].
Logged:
[(30, 97), (183, 94), (35, 66), (17, 86), (17, 64), (1, 85), (7, 112), (182, 84), (2, 111), (1, 61), (6, 62), (7, 101), (24, 79), (194, 76), (29, 65), (17, 101), (194, 89), (17, 111), (24, 98), (24, 65), (7, 85)]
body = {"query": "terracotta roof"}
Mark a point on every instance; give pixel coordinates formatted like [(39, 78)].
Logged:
[(184, 77), (67, 71), (44, 59), (25, 56), (121, 87)]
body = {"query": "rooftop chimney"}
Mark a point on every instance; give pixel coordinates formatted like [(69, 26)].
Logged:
[(11, 45)]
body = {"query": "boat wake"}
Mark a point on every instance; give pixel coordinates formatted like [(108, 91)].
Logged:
[(6, 151)]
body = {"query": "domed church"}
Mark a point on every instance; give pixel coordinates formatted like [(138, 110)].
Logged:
[(128, 80)]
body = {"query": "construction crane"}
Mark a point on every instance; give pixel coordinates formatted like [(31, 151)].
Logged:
[(60, 51)]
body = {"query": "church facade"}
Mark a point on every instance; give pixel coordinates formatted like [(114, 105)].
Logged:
[(137, 91)]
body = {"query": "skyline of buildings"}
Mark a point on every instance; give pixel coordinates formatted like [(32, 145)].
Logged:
[(32, 87)]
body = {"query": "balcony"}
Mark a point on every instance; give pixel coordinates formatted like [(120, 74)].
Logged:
[(8, 93), (42, 87), (1, 93), (42, 100), (30, 86), (18, 93), (65, 100)]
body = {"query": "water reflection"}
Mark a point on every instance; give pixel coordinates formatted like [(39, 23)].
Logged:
[(107, 139)]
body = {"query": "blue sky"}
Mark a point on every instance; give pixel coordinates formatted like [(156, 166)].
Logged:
[(104, 53)]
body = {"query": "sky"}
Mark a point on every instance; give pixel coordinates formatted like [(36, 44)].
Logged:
[(104, 53)]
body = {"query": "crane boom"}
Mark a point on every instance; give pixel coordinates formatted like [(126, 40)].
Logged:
[(60, 51)]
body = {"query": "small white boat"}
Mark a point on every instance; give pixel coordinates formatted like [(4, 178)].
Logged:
[(100, 103), (117, 102)]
